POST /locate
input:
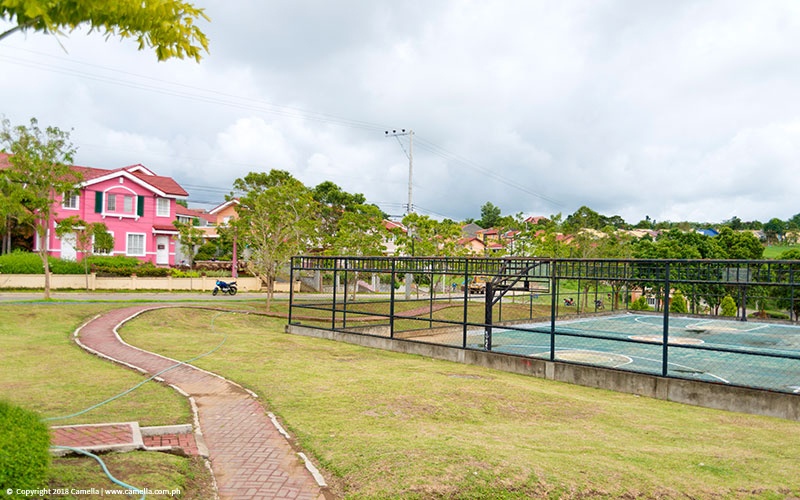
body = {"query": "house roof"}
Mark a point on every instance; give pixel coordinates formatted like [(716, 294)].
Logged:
[(164, 186), (219, 208), (391, 225), (193, 212)]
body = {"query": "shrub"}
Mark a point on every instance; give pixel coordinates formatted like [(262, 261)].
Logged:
[(24, 449), (19, 262), (112, 262), (61, 266), (678, 303), (640, 304), (728, 306), (206, 251)]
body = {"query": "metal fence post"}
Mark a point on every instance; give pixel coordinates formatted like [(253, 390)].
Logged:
[(487, 316), (553, 309), (665, 339), (291, 288), (333, 296), (466, 303), (391, 299)]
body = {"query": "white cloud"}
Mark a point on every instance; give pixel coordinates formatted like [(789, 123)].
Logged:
[(679, 110)]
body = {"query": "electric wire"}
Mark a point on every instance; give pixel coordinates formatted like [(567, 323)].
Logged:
[(238, 102)]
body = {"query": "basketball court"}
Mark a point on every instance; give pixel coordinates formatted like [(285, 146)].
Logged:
[(748, 353)]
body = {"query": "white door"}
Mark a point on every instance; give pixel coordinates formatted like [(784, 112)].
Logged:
[(68, 243), (162, 250)]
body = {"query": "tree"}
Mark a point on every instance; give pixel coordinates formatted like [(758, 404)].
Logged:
[(334, 203), (774, 230), (277, 219), (168, 26), (88, 237), (728, 306), (189, 237), (10, 207), (39, 170), (359, 233), (490, 215), (739, 245), (678, 303)]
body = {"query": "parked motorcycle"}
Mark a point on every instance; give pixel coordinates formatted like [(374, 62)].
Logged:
[(222, 286)]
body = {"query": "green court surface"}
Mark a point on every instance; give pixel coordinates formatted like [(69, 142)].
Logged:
[(744, 353)]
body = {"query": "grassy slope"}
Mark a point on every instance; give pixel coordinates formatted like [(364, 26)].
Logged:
[(391, 425), (43, 370)]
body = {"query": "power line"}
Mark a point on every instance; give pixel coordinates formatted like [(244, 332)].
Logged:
[(233, 101)]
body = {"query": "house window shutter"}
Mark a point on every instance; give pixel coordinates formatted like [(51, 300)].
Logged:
[(98, 202), (140, 206)]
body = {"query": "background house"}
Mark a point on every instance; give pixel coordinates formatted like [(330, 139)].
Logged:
[(137, 206)]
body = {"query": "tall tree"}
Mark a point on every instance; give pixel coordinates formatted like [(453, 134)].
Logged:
[(490, 215), (277, 219), (359, 233), (168, 26), (774, 230), (39, 167)]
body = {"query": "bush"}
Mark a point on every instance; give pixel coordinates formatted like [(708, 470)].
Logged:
[(113, 262), (640, 304), (60, 266), (728, 306), (19, 262), (206, 251), (24, 449), (678, 303)]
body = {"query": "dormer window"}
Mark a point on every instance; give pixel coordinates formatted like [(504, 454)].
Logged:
[(71, 201)]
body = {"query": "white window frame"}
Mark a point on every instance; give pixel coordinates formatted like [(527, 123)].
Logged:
[(161, 209), (71, 201), (111, 202), (128, 250)]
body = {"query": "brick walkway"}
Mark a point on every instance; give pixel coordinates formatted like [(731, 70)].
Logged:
[(249, 456)]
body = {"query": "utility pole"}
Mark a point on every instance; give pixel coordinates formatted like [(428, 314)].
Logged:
[(410, 208), (410, 155)]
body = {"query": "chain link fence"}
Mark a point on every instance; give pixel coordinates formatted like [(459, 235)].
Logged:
[(730, 322)]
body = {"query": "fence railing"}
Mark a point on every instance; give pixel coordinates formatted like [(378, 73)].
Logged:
[(731, 321)]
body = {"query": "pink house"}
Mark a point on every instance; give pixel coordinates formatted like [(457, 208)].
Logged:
[(136, 205)]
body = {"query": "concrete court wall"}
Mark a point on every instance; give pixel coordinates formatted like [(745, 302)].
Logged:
[(705, 394)]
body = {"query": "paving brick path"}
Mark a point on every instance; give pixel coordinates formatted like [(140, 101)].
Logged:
[(249, 456)]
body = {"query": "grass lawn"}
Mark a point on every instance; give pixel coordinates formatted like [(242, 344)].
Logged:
[(774, 251), (43, 370), (389, 425)]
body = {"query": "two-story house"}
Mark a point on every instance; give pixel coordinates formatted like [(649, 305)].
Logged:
[(136, 205)]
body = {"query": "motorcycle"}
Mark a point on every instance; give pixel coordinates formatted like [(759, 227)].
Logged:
[(222, 286)]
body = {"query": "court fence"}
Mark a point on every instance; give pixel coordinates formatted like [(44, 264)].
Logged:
[(731, 322)]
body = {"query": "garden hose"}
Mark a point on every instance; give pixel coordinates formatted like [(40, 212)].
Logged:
[(180, 363)]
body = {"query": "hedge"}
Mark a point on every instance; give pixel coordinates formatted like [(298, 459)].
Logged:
[(24, 449)]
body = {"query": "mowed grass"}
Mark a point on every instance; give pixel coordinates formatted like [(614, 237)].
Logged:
[(389, 425), (774, 251), (44, 370)]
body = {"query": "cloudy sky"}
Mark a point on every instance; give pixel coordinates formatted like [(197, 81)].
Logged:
[(680, 110)]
